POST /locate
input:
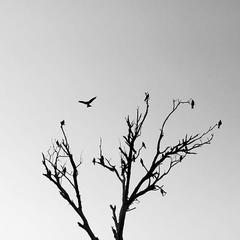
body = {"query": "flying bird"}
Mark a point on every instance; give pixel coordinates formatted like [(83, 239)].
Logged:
[(219, 124), (62, 123), (192, 104), (88, 103)]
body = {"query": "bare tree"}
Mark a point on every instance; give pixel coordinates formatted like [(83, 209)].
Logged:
[(62, 169)]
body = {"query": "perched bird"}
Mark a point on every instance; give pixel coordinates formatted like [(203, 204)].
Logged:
[(146, 96), (58, 144), (88, 103), (219, 123), (94, 161), (143, 145), (49, 173), (102, 160), (64, 170), (62, 123), (163, 192), (192, 104)]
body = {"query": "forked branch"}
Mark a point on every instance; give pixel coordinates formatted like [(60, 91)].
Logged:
[(62, 169)]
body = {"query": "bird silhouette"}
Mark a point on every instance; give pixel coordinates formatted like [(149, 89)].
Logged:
[(58, 144), (62, 123), (146, 96), (143, 145), (219, 123), (94, 161), (49, 173), (192, 104), (102, 160), (88, 103), (163, 192)]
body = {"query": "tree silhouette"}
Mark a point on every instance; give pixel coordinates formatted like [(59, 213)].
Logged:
[(61, 167)]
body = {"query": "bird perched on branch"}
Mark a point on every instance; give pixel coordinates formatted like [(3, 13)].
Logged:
[(146, 96), (219, 123), (58, 144), (64, 170), (62, 123), (192, 104), (163, 192), (88, 103), (49, 173), (101, 159)]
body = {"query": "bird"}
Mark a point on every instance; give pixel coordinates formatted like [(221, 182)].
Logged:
[(146, 96), (88, 103), (58, 144), (62, 123), (192, 104), (49, 173), (219, 123), (163, 192), (102, 160), (64, 170), (143, 145), (94, 161)]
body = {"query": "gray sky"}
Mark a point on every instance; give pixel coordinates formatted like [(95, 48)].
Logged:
[(53, 53)]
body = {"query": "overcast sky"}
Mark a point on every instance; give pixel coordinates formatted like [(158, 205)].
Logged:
[(54, 53)]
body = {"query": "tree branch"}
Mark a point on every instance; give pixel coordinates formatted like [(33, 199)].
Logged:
[(56, 173)]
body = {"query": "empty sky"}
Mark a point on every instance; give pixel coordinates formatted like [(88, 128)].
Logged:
[(53, 53)]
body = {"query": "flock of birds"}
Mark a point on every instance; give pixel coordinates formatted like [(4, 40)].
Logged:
[(88, 104)]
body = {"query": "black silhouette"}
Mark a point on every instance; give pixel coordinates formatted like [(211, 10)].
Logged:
[(64, 170), (163, 192), (192, 104), (146, 96), (58, 144), (88, 103), (49, 173), (101, 160), (130, 155), (219, 123)]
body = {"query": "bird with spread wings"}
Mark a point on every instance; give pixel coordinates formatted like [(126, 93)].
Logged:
[(88, 103)]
